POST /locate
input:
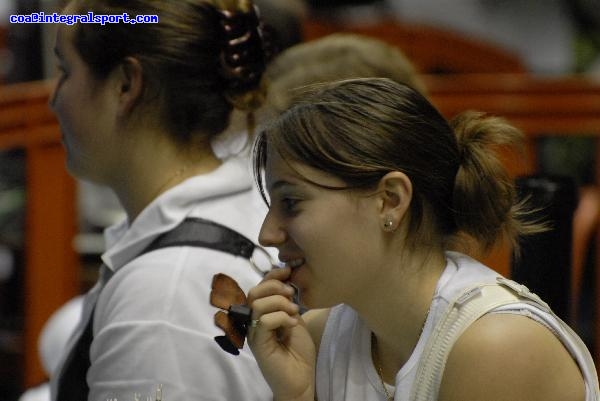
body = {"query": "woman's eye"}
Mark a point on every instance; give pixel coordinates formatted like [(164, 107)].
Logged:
[(290, 204)]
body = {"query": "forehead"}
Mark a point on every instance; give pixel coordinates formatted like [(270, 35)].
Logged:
[(64, 32), (64, 39), (71, 7), (279, 170)]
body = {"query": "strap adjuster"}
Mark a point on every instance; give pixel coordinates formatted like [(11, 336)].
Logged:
[(523, 292)]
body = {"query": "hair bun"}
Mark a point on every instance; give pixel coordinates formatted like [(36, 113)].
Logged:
[(243, 57)]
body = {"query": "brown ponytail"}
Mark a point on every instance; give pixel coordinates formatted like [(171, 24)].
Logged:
[(484, 200), (244, 56), (200, 60), (361, 129)]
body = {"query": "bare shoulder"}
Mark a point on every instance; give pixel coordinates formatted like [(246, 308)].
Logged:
[(510, 357), (315, 320)]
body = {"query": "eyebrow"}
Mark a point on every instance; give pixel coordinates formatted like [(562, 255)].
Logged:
[(279, 184)]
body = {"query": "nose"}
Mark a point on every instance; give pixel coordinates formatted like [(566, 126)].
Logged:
[(53, 93), (271, 232)]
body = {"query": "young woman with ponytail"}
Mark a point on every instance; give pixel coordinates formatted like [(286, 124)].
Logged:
[(138, 107), (371, 194)]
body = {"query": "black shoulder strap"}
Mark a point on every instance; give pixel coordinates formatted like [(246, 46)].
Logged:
[(72, 383), (203, 233)]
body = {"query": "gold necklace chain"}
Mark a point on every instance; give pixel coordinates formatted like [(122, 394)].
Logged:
[(378, 367), (375, 352), (169, 181)]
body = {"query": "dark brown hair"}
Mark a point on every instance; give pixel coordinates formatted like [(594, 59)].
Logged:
[(361, 129), (201, 59)]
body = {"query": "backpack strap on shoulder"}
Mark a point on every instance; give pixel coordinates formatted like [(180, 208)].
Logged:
[(72, 384), (202, 233), (468, 306)]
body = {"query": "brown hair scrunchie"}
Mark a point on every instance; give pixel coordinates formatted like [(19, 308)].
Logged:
[(244, 54)]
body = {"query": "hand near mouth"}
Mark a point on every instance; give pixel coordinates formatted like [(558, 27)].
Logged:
[(280, 340)]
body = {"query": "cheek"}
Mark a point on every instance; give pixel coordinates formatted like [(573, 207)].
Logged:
[(326, 240), (345, 242)]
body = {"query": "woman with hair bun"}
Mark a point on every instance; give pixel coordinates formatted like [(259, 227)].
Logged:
[(371, 195), (138, 106)]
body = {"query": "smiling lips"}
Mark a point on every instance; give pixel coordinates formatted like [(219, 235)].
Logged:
[(295, 263)]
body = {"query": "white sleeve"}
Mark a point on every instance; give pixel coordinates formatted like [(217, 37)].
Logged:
[(136, 357), (154, 325)]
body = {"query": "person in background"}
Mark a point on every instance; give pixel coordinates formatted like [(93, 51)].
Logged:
[(372, 196), (333, 57), (138, 106), (52, 342)]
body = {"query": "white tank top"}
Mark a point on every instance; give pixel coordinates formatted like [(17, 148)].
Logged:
[(345, 368)]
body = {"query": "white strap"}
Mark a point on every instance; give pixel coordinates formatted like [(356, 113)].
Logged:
[(466, 308)]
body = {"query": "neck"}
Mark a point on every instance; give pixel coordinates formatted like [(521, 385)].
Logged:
[(397, 321), (157, 167)]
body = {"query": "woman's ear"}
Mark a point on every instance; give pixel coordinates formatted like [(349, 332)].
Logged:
[(395, 195), (130, 81)]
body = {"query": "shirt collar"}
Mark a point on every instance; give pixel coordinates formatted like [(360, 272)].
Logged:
[(124, 241)]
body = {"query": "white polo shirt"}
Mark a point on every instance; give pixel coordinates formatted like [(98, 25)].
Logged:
[(153, 323)]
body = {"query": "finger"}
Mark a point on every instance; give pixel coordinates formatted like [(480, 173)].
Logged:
[(263, 328), (276, 320), (268, 288), (273, 303), (279, 273), (273, 309)]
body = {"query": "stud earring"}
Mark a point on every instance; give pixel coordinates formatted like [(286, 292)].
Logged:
[(388, 224)]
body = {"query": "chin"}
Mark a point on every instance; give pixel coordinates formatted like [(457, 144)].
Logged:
[(72, 170), (309, 301), (80, 173), (76, 172)]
